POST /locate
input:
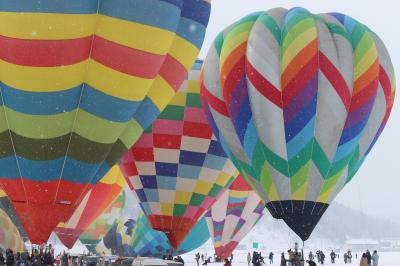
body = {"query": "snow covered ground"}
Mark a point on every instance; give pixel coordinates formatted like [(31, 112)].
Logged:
[(386, 259)]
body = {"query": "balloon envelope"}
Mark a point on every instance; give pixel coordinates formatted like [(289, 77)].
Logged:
[(99, 227), (9, 235), (8, 208), (299, 100), (96, 201), (177, 168), (233, 216), (80, 82), (136, 237)]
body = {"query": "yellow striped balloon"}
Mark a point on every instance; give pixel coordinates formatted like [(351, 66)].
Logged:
[(80, 80)]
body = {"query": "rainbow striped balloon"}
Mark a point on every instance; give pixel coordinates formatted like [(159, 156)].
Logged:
[(298, 100), (233, 216), (80, 80)]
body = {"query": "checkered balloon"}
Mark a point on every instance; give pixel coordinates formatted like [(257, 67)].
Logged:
[(178, 168)]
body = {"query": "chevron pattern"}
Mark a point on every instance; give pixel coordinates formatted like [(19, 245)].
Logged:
[(298, 100), (234, 214)]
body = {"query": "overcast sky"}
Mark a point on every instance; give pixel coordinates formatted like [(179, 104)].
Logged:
[(376, 188)]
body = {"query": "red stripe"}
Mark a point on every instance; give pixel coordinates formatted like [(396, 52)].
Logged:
[(385, 83), (263, 86), (296, 85), (173, 72), (44, 53), (233, 79), (197, 130), (336, 79), (216, 104), (125, 59), (364, 95), (240, 184)]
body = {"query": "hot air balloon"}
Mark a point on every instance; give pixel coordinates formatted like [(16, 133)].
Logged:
[(136, 237), (96, 201), (9, 234), (298, 100), (80, 82), (232, 216), (177, 168), (99, 227), (8, 208)]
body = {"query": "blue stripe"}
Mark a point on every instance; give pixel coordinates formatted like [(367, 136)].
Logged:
[(107, 106), (191, 31), (42, 171), (250, 139), (296, 144), (51, 103), (146, 113), (50, 6), (347, 148), (197, 10), (215, 162), (349, 133), (159, 14), (293, 127), (41, 103)]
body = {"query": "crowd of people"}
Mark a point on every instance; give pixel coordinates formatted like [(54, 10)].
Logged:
[(35, 258)]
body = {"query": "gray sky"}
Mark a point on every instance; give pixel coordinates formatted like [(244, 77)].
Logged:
[(376, 188)]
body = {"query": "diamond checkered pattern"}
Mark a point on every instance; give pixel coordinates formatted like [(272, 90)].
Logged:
[(177, 168)]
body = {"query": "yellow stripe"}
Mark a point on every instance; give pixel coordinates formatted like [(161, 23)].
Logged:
[(297, 45), (131, 133), (2, 194), (234, 42), (193, 86), (40, 26), (273, 193), (184, 52), (116, 83), (42, 79), (300, 194), (135, 35), (161, 93), (366, 61), (166, 209)]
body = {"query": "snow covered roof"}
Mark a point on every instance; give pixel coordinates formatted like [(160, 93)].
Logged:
[(361, 242)]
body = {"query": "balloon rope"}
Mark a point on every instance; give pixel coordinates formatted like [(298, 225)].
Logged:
[(75, 118)]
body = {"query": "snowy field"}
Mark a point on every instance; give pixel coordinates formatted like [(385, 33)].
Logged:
[(386, 259)]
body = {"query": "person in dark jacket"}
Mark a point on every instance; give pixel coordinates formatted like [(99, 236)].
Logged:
[(2, 260), (311, 263), (369, 258)]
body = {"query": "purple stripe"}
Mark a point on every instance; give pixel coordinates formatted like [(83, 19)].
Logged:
[(302, 99), (361, 113)]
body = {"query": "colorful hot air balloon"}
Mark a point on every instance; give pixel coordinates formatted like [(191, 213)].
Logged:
[(232, 216), (99, 227), (136, 237), (80, 82), (96, 201), (9, 235), (8, 208), (177, 168), (298, 101)]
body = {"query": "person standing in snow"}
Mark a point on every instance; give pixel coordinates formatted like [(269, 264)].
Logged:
[(248, 258), (375, 258)]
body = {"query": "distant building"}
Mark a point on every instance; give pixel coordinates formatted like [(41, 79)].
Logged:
[(391, 244), (362, 244)]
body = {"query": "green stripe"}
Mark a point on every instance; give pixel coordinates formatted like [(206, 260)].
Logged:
[(320, 160), (296, 31), (363, 46), (298, 161), (270, 23)]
